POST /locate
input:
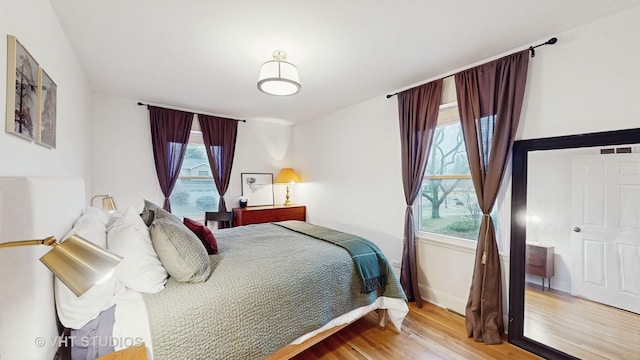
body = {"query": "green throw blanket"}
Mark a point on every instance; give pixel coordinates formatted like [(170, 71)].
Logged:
[(371, 264)]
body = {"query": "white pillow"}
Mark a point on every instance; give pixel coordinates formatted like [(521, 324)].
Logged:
[(93, 227), (96, 213), (119, 216), (140, 268), (75, 312)]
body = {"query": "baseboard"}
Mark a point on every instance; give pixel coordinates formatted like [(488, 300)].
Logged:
[(443, 299), (451, 303)]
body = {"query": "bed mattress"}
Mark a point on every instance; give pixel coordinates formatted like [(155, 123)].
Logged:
[(270, 287)]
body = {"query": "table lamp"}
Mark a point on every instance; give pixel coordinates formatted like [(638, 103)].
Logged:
[(108, 204), (287, 176), (78, 263)]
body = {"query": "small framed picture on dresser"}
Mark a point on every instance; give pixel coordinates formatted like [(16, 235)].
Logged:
[(257, 188)]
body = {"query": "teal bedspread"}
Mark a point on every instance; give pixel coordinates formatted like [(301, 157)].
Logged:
[(371, 264)]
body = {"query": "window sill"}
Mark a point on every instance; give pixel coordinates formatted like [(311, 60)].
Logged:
[(447, 241), (451, 242)]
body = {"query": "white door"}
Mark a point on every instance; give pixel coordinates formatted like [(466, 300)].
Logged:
[(605, 241)]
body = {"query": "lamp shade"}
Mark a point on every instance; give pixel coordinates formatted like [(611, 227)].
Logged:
[(278, 76), (80, 264), (108, 203), (287, 176)]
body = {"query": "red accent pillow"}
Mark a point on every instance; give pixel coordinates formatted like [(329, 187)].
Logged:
[(204, 234)]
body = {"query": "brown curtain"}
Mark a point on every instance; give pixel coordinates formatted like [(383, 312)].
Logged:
[(489, 100), (219, 135), (418, 114), (169, 135)]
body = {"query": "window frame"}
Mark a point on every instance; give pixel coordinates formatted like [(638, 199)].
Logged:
[(198, 141), (501, 207), (417, 207)]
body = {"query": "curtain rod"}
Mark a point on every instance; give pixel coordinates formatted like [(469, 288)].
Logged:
[(189, 110), (532, 52)]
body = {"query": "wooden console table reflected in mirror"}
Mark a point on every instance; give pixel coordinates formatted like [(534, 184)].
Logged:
[(539, 261)]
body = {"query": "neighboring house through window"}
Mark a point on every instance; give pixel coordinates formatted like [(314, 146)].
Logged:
[(195, 191)]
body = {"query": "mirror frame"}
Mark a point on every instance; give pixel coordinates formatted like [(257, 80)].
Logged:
[(521, 148)]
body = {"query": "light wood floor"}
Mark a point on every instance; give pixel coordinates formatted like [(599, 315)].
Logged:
[(582, 328), (427, 333)]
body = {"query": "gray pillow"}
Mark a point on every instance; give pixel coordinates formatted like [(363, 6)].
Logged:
[(152, 211), (180, 251)]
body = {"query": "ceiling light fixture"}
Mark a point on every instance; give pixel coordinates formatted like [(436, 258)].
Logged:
[(278, 76)]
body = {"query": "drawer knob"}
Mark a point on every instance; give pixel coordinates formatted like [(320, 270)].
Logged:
[(577, 229)]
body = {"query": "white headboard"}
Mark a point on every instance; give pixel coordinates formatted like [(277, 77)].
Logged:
[(32, 208)]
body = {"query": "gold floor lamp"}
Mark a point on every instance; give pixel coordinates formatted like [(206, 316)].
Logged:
[(78, 263)]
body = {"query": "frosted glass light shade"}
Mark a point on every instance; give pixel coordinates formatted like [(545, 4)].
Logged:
[(278, 76)]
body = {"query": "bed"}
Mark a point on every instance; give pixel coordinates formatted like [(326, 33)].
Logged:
[(271, 291)]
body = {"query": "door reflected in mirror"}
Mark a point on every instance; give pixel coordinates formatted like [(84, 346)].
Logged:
[(579, 229)]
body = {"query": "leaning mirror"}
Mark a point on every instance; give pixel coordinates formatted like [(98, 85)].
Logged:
[(575, 246)]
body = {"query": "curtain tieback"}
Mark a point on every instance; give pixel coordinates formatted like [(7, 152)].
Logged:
[(483, 261)]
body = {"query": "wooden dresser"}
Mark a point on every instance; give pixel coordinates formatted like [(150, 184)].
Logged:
[(539, 261), (263, 214)]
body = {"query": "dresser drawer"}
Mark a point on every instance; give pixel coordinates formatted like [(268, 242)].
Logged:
[(295, 213), (264, 214), (539, 260), (536, 267), (256, 217)]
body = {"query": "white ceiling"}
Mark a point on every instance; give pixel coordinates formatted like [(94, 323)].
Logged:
[(206, 54)]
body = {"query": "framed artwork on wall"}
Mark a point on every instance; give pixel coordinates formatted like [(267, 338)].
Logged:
[(22, 91), (31, 97), (47, 96), (258, 188)]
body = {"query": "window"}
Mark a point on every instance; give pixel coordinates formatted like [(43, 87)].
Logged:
[(195, 191), (448, 203)]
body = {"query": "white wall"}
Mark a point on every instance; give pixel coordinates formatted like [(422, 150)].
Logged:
[(262, 147), (35, 25), (350, 166), (123, 156), (587, 82)]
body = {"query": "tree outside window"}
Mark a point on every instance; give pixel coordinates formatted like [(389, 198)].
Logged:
[(449, 205)]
